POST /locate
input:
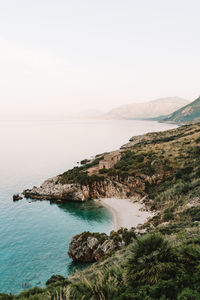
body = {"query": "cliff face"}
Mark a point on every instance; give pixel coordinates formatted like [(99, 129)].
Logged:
[(53, 190)]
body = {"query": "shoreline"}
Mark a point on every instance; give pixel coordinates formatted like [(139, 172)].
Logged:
[(126, 213), (113, 212)]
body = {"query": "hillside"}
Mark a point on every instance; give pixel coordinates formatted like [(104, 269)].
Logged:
[(151, 109), (188, 113), (162, 259)]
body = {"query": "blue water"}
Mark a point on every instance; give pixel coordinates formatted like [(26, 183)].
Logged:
[(35, 235)]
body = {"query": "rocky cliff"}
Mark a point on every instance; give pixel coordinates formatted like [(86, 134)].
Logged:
[(53, 189)]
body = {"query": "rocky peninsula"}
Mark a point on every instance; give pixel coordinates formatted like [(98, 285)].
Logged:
[(102, 177)]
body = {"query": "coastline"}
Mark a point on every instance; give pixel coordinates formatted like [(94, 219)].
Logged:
[(113, 212), (126, 213)]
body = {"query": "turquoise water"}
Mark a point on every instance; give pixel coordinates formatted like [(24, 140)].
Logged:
[(34, 235), (35, 240)]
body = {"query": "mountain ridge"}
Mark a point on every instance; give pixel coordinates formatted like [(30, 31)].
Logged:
[(188, 113), (151, 109)]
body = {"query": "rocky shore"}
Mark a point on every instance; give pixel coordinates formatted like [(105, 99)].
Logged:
[(52, 189), (113, 187)]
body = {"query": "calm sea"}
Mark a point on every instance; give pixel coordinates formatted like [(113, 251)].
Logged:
[(34, 235)]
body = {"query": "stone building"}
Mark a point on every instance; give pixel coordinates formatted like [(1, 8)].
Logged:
[(110, 160)]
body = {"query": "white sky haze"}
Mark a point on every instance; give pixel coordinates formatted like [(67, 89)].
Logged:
[(71, 55)]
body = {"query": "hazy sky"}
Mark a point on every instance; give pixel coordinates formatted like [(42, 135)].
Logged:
[(66, 55)]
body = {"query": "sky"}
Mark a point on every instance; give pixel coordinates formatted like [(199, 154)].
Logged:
[(63, 56)]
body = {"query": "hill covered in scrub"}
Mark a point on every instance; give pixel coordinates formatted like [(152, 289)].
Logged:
[(186, 114), (151, 109), (162, 259)]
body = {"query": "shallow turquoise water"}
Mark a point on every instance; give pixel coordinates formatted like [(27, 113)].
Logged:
[(34, 235), (35, 239)]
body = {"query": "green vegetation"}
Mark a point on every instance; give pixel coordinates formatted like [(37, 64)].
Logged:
[(163, 260), (163, 167), (132, 163), (173, 157), (80, 174)]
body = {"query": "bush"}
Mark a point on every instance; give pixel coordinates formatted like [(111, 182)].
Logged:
[(55, 279), (31, 292), (188, 294), (168, 216), (6, 297), (151, 258)]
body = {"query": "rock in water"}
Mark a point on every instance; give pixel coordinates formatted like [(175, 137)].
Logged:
[(17, 197), (90, 247)]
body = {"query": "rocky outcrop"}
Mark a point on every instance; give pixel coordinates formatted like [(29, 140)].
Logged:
[(17, 197), (90, 247), (52, 189), (109, 187)]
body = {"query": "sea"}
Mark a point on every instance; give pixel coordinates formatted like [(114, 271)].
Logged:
[(35, 235)]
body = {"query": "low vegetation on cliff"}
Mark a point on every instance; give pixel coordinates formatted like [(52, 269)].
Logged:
[(163, 168), (161, 259), (80, 174), (188, 113)]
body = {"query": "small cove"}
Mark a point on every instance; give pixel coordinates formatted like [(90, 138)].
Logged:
[(34, 235)]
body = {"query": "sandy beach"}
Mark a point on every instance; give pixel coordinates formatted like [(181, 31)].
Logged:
[(126, 213)]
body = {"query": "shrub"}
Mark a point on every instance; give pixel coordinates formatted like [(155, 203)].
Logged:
[(168, 216), (31, 292), (55, 279), (188, 294), (6, 297), (151, 258)]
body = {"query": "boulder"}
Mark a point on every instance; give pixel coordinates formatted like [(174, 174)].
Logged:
[(90, 247), (17, 197)]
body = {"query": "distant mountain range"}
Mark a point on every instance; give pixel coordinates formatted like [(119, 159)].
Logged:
[(151, 109), (171, 110), (187, 114)]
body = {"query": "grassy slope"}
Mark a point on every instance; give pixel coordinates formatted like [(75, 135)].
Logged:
[(188, 113), (176, 155)]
